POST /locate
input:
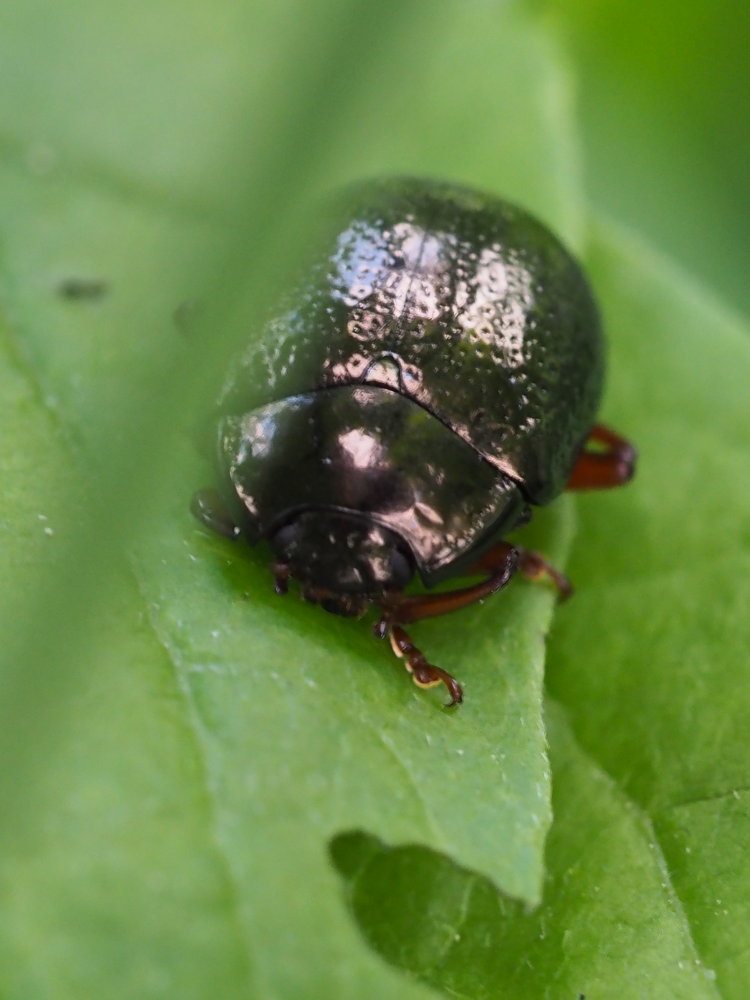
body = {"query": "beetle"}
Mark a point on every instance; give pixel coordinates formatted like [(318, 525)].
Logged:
[(434, 376)]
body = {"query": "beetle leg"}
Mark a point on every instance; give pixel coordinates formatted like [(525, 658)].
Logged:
[(531, 564), (211, 510), (535, 567), (500, 562), (401, 609), (614, 465), (424, 674)]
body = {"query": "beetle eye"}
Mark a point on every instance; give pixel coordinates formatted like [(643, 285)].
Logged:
[(401, 570), (284, 537)]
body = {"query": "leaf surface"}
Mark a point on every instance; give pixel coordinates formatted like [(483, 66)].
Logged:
[(285, 727)]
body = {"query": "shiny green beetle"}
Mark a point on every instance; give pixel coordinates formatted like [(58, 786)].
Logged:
[(435, 375)]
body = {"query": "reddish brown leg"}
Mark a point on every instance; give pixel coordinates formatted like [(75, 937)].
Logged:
[(399, 609), (424, 674), (531, 564), (612, 465)]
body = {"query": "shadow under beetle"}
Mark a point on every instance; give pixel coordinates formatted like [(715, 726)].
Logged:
[(435, 375)]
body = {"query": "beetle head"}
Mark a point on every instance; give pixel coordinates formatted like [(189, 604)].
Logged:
[(342, 561)]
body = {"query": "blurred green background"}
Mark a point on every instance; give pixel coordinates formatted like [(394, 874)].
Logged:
[(207, 791), (663, 101)]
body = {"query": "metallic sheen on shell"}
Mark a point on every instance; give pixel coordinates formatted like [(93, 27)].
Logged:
[(461, 302), (437, 369)]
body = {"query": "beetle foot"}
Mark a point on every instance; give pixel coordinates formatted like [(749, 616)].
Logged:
[(535, 567), (424, 674)]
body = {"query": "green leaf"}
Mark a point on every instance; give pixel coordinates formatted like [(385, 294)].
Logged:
[(117, 821), (609, 920), (648, 877), (663, 96), (253, 730), (669, 598), (185, 769)]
